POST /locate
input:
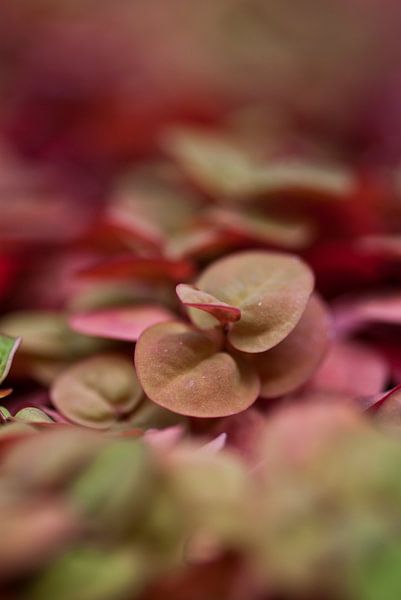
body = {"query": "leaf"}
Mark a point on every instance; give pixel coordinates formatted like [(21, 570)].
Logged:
[(293, 361), (8, 348), (46, 334), (31, 414), (185, 371), (351, 368), (152, 203), (258, 227), (222, 166), (98, 391), (5, 414), (271, 289), (130, 266), (357, 313), (125, 323), (192, 296), (106, 491), (90, 574), (387, 411)]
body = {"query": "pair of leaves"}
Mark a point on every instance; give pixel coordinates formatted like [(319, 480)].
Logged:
[(276, 335)]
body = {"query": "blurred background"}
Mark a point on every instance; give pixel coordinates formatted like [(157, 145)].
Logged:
[(91, 83)]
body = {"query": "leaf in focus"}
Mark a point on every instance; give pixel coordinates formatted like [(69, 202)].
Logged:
[(184, 370), (271, 289), (192, 296), (293, 361)]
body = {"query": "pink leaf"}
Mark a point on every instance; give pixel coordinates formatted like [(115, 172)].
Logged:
[(351, 368), (126, 323)]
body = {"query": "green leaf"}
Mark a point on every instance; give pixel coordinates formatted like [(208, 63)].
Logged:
[(116, 487), (90, 574), (8, 348), (31, 414)]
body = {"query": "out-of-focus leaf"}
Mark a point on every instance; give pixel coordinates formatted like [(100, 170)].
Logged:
[(8, 348), (353, 369), (387, 411), (152, 203), (379, 575), (125, 323), (46, 334), (357, 313), (98, 391), (139, 267), (260, 228), (185, 371), (88, 573), (33, 533), (5, 413), (50, 459), (32, 414), (219, 165)]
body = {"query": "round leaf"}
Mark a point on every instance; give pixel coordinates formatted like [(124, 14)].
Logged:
[(125, 323), (291, 363), (98, 391), (184, 370), (191, 296), (271, 289)]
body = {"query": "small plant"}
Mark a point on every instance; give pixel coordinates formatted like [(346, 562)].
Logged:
[(257, 330)]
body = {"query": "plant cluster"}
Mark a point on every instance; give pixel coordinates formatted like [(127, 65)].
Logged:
[(200, 300)]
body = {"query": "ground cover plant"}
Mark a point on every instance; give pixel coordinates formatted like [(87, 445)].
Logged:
[(200, 300)]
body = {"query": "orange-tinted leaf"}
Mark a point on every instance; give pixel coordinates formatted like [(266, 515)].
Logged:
[(125, 323), (291, 363), (271, 289), (192, 296), (98, 391), (185, 371)]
